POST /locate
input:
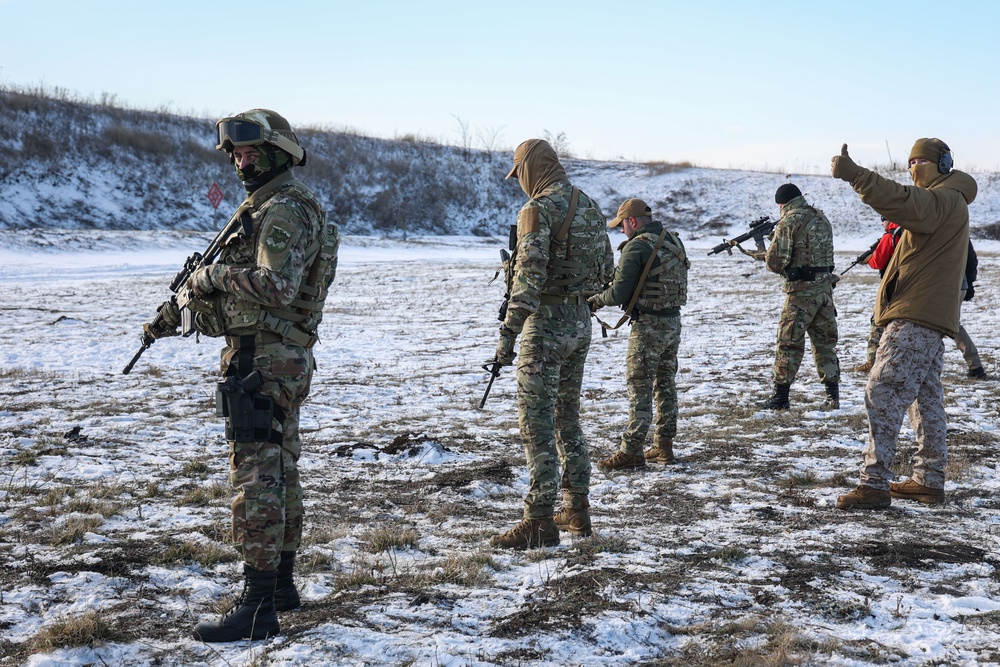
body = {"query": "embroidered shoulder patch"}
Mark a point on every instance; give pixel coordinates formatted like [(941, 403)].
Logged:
[(277, 240), (527, 221)]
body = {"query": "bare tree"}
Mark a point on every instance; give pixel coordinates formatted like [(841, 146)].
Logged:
[(465, 134), (559, 143), (490, 138)]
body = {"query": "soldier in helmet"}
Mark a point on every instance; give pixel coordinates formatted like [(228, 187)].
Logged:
[(801, 250), (563, 256), (265, 296)]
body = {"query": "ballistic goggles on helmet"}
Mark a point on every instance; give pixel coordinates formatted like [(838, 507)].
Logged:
[(235, 132)]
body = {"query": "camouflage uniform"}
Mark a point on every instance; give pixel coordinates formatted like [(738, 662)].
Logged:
[(651, 362), (803, 238), (265, 304), (548, 309), (906, 378)]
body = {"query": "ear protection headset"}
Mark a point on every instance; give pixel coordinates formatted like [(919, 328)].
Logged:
[(945, 162)]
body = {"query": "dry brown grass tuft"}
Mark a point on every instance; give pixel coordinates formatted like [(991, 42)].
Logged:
[(87, 629)]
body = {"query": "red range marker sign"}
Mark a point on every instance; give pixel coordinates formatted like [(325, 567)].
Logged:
[(215, 194)]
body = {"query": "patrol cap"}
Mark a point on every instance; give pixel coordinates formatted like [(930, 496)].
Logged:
[(631, 208)]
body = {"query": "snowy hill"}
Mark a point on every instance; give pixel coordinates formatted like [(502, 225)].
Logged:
[(68, 165)]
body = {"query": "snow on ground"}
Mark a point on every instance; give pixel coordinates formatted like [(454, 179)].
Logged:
[(734, 556)]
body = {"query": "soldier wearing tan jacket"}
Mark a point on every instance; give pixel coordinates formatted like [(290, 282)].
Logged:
[(918, 304)]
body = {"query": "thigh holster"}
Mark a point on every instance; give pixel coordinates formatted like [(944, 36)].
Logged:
[(249, 415)]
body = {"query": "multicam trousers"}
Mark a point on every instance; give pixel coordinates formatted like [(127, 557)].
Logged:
[(267, 509), (906, 378), (808, 311), (553, 351), (650, 370), (874, 336)]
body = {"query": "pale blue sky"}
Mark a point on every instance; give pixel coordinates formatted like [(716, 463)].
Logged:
[(776, 85)]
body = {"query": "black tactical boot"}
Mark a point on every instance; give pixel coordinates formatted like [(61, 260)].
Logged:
[(779, 399), (286, 596), (832, 401), (251, 616)]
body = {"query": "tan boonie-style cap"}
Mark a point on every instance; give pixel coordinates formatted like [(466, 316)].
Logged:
[(631, 208)]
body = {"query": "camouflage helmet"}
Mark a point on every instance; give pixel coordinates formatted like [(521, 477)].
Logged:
[(255, 127)]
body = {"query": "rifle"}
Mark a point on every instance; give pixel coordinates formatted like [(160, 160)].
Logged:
[(493, 368), (191, 264), (507, 266), (759, 228), (863, 257)]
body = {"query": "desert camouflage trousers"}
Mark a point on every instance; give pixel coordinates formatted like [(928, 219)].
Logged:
[(962, 341), (807, 312), (650, 370), (906, 377), (553, 351), (267, 508)]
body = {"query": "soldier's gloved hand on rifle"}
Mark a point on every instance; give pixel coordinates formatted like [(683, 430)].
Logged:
[(843, 167), (168, 321), (759, 255), (200, 283), (505, 346), (595, 303)]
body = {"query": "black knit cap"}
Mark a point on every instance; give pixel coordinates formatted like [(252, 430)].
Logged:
[(786, 193)]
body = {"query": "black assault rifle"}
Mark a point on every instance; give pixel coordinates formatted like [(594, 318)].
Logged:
[(191, 264), (863, 257), (493, 366), (759, 228)]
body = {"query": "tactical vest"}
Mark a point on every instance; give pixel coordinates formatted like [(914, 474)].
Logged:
[(666, 283), (813, 243), (297, 322), (576, 263)]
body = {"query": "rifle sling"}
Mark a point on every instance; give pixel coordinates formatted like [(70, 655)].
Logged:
[(639, 285), (564, 228)]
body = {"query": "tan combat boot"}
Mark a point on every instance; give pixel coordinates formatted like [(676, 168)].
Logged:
[(910, 490), (623, 461), (864, 498), (529, 534), (661, 453), (574, 517)]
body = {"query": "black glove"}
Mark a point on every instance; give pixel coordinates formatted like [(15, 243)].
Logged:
[(843, 167), (969, 293)]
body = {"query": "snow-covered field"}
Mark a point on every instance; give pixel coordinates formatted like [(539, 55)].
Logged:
[(114, 493)]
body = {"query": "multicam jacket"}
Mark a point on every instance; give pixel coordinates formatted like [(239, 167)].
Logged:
[(274, 272), (803, 237)]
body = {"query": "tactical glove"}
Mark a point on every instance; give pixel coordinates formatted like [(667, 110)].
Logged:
[(505, 346), (200, 282), (595, 303), (167, 322), (843, 167), (969, 293)]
